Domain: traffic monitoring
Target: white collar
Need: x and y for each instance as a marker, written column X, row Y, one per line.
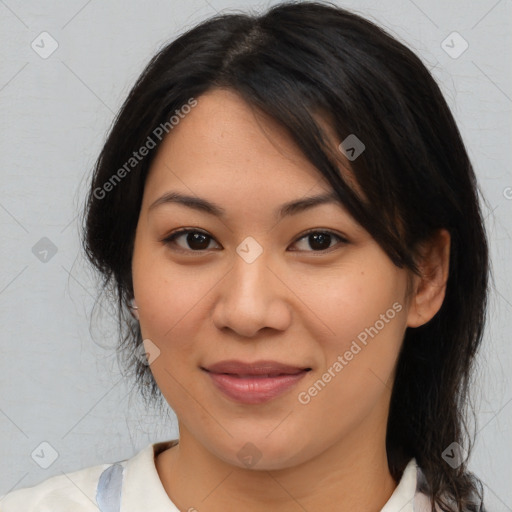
column 402, row 498
column 143, row 489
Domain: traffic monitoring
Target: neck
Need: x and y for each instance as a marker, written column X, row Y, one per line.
column 351, row 475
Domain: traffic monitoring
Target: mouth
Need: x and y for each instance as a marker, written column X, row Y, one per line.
column 256, row 382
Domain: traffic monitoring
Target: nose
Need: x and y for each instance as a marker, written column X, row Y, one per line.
column 252, row 297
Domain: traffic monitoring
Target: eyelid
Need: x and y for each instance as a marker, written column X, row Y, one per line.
column 167, row 240
column 343, row 239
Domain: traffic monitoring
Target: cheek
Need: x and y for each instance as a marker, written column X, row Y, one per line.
column 354, row 304
column 172, row 301
column 366, row 318
column 166, row 303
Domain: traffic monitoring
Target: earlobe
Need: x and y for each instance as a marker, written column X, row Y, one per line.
column 134, row 310
column 430, row 288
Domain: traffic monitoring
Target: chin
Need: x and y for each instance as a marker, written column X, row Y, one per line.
column 261, row 452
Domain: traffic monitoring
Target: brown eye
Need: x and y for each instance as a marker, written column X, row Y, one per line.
column 320, row 240
column 194, row 240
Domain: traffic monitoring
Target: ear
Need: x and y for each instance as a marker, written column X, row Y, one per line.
column 429, row 289
column 134, row 310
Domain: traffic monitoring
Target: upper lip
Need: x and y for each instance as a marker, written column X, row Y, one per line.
column 254, row 368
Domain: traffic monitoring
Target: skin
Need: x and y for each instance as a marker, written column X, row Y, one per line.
column 203, row 303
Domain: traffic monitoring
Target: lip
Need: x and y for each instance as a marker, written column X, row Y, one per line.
column 256, row 382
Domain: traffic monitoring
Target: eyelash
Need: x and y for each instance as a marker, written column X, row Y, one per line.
column 172, row 237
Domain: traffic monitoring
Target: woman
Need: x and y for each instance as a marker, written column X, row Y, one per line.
column 286, row 207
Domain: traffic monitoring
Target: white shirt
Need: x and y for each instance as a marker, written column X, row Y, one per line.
column 133, row 485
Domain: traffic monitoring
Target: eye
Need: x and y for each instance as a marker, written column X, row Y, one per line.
column 196, row 240
column 320, row 240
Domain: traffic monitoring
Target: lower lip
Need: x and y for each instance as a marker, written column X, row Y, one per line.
column 254, row 390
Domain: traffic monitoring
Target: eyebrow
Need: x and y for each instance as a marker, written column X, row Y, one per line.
column 200, row 204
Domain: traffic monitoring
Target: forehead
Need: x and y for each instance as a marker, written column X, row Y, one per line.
column 225, row 143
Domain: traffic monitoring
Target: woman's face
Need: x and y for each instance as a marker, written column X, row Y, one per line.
column 302, row 286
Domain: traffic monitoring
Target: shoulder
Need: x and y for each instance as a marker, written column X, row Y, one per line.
column 103, row 487
column 70, row 491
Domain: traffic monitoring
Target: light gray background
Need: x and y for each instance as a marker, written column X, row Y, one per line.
column 58, row 385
